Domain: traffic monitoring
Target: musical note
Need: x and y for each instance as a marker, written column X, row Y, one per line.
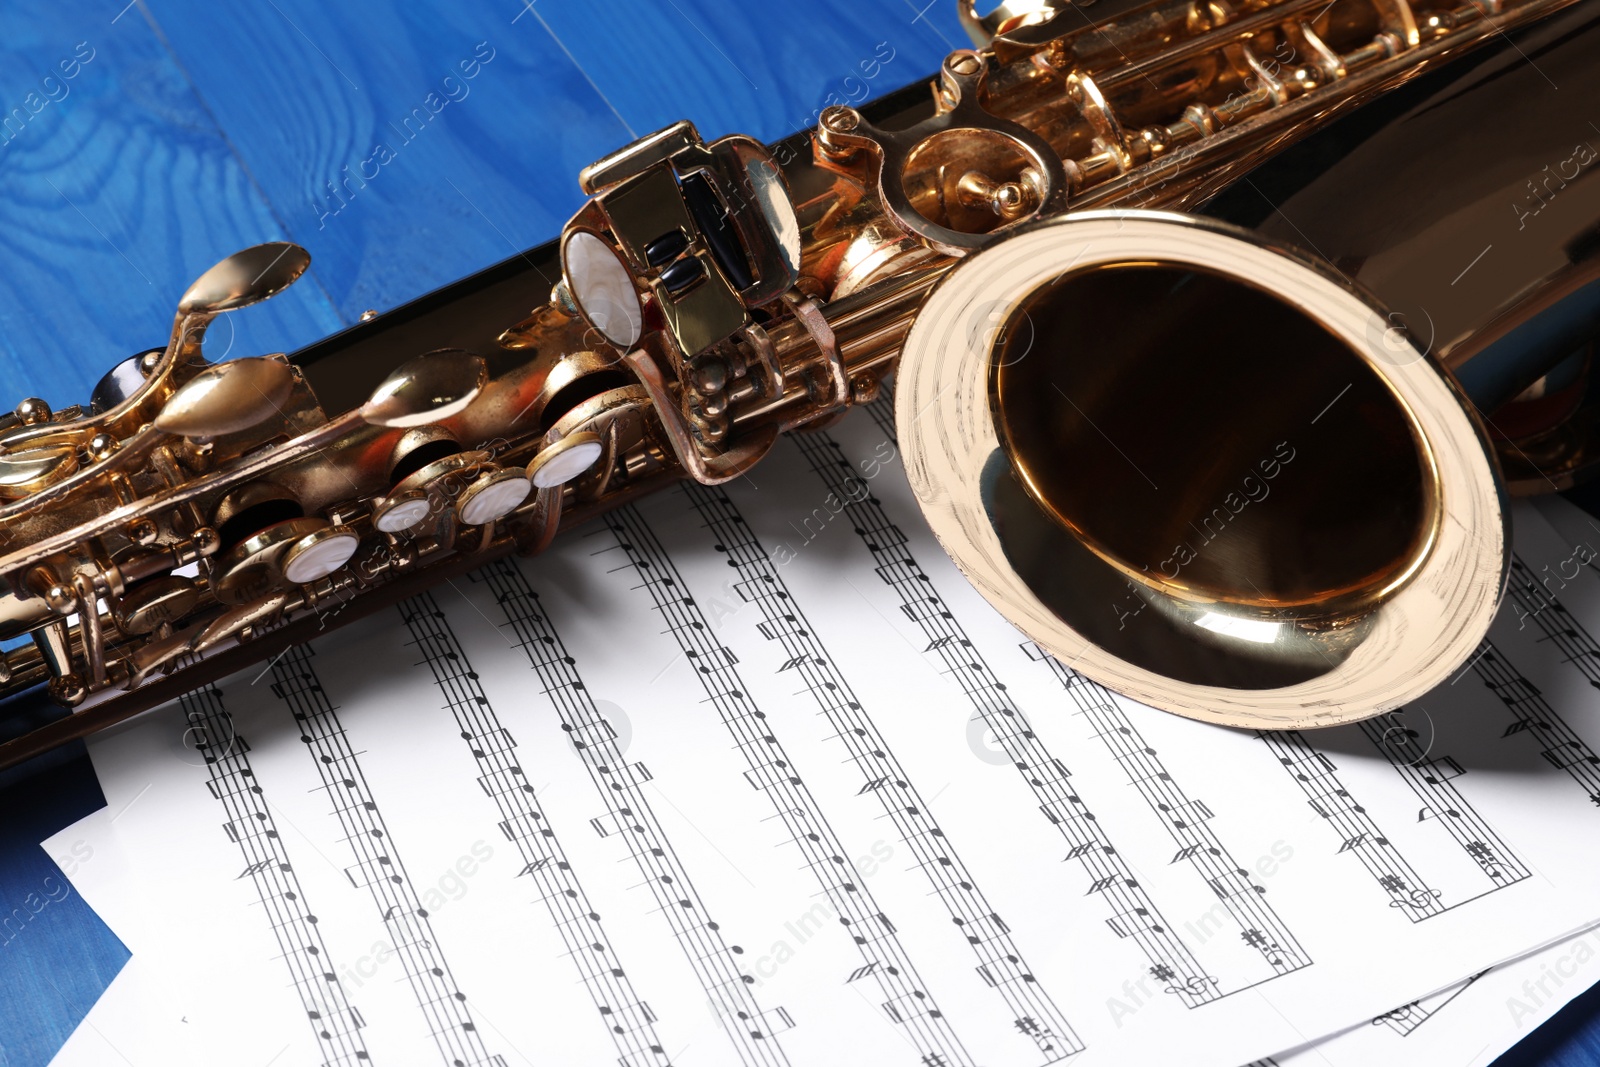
column 231, row 781
column 375, row 868
column 617, row 783
column 1354, row 842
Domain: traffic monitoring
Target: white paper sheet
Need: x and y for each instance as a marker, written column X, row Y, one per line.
column 826, row 806
column 137, row 1010
column 1472, row 1023
column 1477, row 1020
column 1468, row 1025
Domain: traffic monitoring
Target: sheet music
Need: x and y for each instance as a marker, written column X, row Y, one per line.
column 1469, row 1024
column 1487, row 1013
column 1477, row 1020
column 750, row 775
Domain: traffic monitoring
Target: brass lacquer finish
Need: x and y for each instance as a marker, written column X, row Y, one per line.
column 427, row 389
column 1221, row 596
column 1219, row 523
column 1217, row 436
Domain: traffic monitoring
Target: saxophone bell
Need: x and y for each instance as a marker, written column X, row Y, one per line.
column 1253, row 508
column 1214, row 471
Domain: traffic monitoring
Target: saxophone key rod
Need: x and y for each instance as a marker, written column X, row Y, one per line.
column 710, row 296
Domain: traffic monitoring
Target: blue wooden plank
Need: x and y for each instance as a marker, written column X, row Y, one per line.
column 117, row 186
column 330, row 109
column 756, row 68
column 404, row 150
column 116, row 189
column 1571, row 1039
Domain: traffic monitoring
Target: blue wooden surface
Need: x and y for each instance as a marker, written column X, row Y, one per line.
column 405, row 146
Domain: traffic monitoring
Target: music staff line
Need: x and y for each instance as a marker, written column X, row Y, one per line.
column 1561, row 746
column 628, row 1019
column 1259, row 925
column 1405, row 1019
column 1432, row 781
column 1187, row 821
column 231, row 780
column 885, row 961
column 1355, row 828
column 1359, row 834
column 378, row 867
column 1002, row 966
column 1134, row 914
column 630, row 820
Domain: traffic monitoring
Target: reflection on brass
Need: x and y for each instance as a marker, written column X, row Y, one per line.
column 252, row 568
column 1253, row 513
column 1274, row 515
column 228, row 397
column 426, row 389
column 447, row 476
column 246, row 278
column 154, row 603
column 1238, row 466
column 23, row 472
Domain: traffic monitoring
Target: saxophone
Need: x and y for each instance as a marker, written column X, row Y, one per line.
column 1243, row 463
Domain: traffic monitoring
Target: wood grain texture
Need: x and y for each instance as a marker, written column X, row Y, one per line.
column 57, row 957
column 723, row 65
column 382, row 156
column 199, row 127
column 116, row 189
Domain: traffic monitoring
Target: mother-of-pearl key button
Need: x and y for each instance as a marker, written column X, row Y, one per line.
column 319, row 554
column 566, row 459
column 398, row 515
column 492, row 496
column 602, row 287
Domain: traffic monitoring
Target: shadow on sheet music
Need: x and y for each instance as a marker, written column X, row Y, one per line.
column 1444, row 734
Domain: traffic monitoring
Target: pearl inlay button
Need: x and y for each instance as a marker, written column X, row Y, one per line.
column 319, row 554
column 401, row 516
column 777, row 207
column 602, row 288
column 492, row 496
column 558, row 465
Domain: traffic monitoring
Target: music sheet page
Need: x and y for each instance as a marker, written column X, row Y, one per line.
column 1469, row 1024
column 1475, row 1021
column 750, row 775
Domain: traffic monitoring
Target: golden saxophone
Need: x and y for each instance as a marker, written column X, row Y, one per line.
column 1249, row 465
